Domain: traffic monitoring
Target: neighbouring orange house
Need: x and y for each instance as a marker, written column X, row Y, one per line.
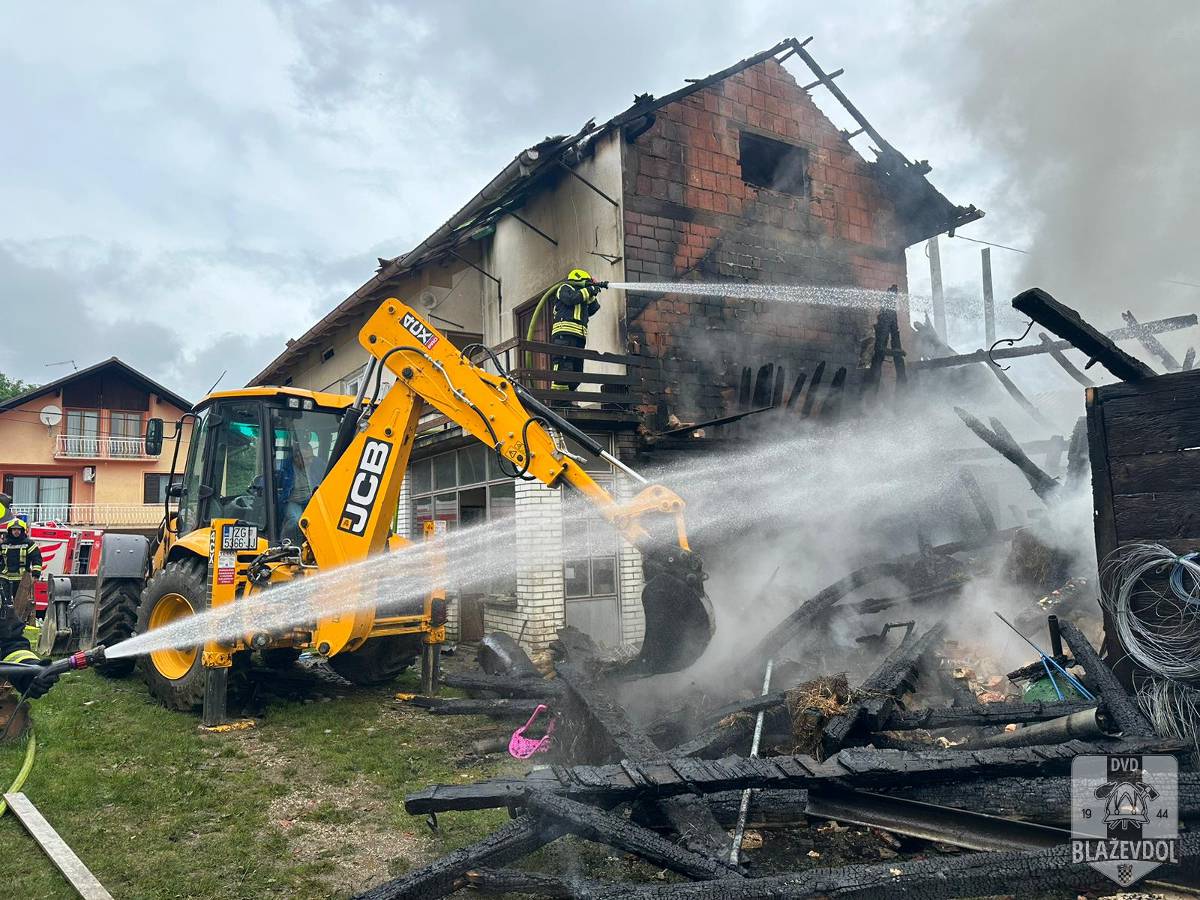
column 73, row 451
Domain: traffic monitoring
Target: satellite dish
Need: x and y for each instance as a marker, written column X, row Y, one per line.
column 428, row 300
column 50, row 415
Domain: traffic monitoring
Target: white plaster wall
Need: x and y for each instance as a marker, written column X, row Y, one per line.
column 581, row 221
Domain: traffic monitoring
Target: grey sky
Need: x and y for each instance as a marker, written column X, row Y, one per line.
column 186, row 186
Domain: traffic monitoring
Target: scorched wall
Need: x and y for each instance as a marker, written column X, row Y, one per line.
column 690, row 215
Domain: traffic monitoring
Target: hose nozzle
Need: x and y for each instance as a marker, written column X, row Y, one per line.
column 86, row 658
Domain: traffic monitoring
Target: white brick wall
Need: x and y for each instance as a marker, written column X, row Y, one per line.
column 629, row 577
column 540, row 605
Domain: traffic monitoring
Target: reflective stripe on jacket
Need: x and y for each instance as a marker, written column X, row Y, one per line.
column 572, row 310
column 19, row 557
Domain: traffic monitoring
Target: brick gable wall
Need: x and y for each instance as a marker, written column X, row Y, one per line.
column 690, row 216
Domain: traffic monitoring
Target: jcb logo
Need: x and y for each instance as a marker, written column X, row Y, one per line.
column 364, row 489
column 419, row 330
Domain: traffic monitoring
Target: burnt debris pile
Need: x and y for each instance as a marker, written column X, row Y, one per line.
column 932, row 758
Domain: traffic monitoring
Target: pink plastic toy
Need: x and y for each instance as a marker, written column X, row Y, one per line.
column 522, row 747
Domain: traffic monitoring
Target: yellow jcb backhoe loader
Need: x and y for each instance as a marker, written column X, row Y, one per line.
column 282, row 483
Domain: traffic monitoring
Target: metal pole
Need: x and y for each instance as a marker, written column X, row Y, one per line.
column 989, row 305
column 744, row 810
column 935, row 288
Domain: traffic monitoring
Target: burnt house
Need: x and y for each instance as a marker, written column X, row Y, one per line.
column 737, row 177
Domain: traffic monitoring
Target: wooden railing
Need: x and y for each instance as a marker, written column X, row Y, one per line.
column 611, row 395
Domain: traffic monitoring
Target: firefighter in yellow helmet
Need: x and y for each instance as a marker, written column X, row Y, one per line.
column 18, row 554
column 575, row 302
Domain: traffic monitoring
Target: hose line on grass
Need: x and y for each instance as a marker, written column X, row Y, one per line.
column 26, row 768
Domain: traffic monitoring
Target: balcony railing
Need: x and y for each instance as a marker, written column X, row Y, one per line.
column 611, row 395
column 100, row 515
column 99, row 446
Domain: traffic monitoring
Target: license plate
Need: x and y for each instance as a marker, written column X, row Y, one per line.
column 239, row 537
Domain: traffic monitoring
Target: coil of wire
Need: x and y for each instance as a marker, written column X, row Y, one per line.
column 1159, row 627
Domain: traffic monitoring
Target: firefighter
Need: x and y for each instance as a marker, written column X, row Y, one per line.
column 574, row 304
column 18, row 555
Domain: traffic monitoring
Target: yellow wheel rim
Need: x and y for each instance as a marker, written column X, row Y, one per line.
column 172, row 662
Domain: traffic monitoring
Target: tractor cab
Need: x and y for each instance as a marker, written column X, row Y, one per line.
column 256, row 456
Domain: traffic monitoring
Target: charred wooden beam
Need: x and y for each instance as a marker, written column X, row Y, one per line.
column 1044, row 799
column 532, row 688
column 504, row 708
column 800, row 620
column 615, row 831
column 971, row 484
column 1158, row 326
column 1017, row 873
column 722, row 737
column 1078, row 464
column 1043, row 485
column 527, row 884
column 1069, row 325
column 1121, row 708
column 872, row 605
column 507, row 844
column 696, row 827
column 1152, row 343
column 834, row 395
column 811, row 396
column 857, row 767
column 1035, row 670
column 981, row 714
column 1017, row 394
column 1059, row 357
column 896, row 675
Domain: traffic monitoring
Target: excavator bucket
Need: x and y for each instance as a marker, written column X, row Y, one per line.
column 679, row 619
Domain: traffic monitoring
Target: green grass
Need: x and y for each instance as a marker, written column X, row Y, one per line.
column 307, row 804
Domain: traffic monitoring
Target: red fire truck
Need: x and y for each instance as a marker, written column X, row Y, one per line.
column 65, row 551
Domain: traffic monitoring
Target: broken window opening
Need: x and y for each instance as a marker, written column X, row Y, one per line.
column 773, row 165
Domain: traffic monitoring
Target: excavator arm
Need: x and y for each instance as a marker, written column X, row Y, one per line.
column 350, row 514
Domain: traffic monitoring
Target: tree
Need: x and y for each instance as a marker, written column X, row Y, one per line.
column 11, row 387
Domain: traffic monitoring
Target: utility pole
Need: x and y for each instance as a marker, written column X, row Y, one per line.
column 935, row 285
column 989, row 305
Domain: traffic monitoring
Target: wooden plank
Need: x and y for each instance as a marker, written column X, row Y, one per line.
column 615, row 831
column 1158, row 326
column 1153, row 427
column 1059, row 357
column 1163, row 515
column 1153, row 472
column 619, row 359
column 72, row 867
column 1120, row 705
column 1161, row 385
column 549, row 395
column 587, row 376
column 1070, row 326
column 1153, row 344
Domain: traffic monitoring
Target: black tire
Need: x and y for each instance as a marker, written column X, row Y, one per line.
column 185, row 578
column 379, row 660
column 116, row 619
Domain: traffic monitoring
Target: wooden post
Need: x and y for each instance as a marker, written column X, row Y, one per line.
column 935, row 288
column 989, row 304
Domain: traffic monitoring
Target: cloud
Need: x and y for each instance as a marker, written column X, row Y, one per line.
column 234, row 168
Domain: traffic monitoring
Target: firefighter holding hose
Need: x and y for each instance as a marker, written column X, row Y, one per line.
column 18, row 555
column 575, row 302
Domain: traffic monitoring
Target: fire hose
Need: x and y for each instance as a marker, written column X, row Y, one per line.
column 80, row 660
